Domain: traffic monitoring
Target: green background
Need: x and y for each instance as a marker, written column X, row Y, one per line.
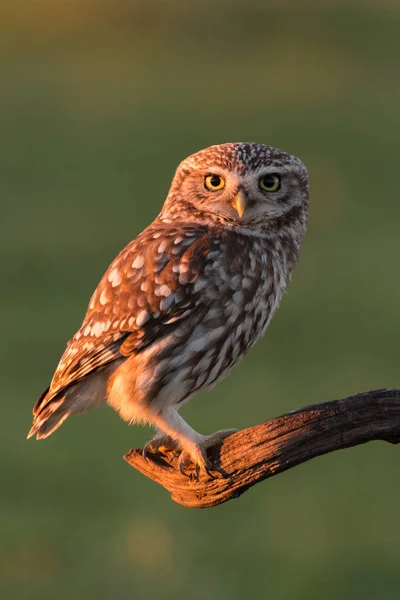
column 99, row 102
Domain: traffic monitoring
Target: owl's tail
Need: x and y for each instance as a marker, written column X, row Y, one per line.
column 49, row 415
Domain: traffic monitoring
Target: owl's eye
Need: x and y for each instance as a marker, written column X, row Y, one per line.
column 214, row 182
column 270, row 182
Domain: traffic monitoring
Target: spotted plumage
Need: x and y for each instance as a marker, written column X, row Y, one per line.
column 187, row 299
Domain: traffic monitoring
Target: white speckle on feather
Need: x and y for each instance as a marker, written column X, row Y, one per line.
column 138, row 262
column 200, row 283
column 114, row 277
column 238, row 297
column 246, row 283
column 235, row 281
column 167, row 302
column 238, row 331
column 164, row 290
column 142, row 317
column 218, row 365
column 97, row 329
column 104, row 297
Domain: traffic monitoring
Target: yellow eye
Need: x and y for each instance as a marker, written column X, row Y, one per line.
column 214, row 183
column 270, row 182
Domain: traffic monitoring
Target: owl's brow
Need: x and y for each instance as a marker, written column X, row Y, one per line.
column 281, row 168
column 212, row 169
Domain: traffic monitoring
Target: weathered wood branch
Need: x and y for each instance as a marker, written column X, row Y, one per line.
column 254, row 454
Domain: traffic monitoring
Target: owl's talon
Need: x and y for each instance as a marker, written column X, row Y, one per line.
column 191, row 465
column 192, row 462
column 160, row 446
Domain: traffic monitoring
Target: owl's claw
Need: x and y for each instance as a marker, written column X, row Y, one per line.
column 196, row 460
column 191, row 465
column 192, row 460
column 161, row 445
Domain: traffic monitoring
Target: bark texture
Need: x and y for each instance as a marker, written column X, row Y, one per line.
column 254, row 454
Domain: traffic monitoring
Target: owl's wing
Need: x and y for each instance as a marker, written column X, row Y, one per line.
column 151, row 286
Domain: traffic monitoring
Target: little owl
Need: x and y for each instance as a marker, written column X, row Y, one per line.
column 187, row 299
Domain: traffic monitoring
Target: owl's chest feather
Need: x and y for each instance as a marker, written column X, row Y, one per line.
column 258, row 284
column 245, row 291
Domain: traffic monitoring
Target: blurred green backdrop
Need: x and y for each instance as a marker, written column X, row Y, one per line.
column 99, row 102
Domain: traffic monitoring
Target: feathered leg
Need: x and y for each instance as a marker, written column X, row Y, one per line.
column 192, row 446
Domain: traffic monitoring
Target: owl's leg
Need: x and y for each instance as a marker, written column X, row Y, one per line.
column 186, row 441
column 177, row 436
column 208, row 441
column 192, row 445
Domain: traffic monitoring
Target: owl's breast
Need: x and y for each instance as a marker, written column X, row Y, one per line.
column 233, row 299
column 244, row 286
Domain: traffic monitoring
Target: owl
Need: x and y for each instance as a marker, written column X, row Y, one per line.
column 186, row 299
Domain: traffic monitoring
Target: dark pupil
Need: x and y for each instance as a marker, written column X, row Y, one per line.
column 215, row 180
column 269, row 180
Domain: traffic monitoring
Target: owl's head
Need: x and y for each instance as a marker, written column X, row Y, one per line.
column 243, row 185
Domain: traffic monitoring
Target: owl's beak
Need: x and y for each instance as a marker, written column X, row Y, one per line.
column 240, row 203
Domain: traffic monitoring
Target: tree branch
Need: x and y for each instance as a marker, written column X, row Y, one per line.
column 254, row 454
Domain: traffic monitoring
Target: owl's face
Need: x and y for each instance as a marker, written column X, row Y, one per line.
column 239, row 184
